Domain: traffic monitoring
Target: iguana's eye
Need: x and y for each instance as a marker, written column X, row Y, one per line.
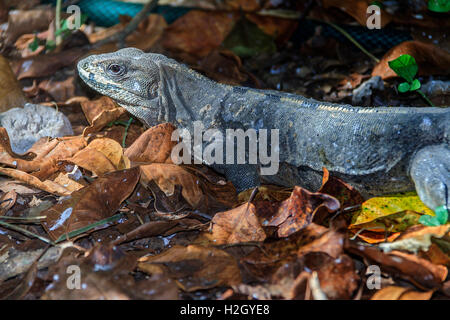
column 116, row 69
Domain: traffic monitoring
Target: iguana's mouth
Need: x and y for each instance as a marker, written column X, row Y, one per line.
column 105, row 87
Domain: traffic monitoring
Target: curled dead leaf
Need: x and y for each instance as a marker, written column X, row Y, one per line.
column 11, row 95
column 237, row 225
column 97, row 201
column 358, row 10
column 431, row 59
column 45, row 65
column 200, row 192
column 183, row 34
column 99, row 113
column 298, row 211
column 101, row 156
column 27, row 21
column 410, row 267
column 154, row 145
column 401, row 293
column 194, row 267
column 47, row 185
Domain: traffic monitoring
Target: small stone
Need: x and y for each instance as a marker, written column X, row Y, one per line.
column 25, row 126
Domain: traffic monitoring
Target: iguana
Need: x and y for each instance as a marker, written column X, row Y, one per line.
column 377, row 150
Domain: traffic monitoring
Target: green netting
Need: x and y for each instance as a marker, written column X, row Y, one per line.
column 106, row 13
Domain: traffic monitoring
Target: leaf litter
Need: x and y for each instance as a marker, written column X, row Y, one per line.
column 110, row 200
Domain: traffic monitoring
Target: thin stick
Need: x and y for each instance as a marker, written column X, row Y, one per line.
column 132, row 25
column 349, row 37
column 24, row 231
column 58, row 21
column 425, row 98
column 23, row 218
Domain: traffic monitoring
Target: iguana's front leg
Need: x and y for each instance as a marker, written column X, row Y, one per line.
column 430, row 172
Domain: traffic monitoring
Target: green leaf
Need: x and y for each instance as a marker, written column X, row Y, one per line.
column 405, row 66
column 397, row 211
column 64, row 28
column 378, row 3
column 404, row 87
column 415, row 85
column 441, row 214
column 34, row 45
column 50, row 45
column 84, row 17
column 82, row 230
column 439, row 5
column 247, row 40
column 429, row 221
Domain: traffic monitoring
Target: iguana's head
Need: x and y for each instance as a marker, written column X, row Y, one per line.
column 129, row 76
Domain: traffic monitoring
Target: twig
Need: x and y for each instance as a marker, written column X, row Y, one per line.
column 24, row 231
column 425, row 98
column 132, row 25
column 58, row 22
column 23, row 218
column 349, row 37
column 314, row 284
column 88, row 227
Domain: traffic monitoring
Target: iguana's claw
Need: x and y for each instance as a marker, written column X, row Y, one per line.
column 430, row 171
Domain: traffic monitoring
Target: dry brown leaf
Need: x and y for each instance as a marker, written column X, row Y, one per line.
column 223, row 66
column 279, row 28
column 7, row 201
column 416, row 295
column 147, row 33
column 337, row 276
column 266, row 193
column 358, row 10
column 401, row 293
column 431, row 59
column 194, row 267
column 43, row 157
column 166, row 176
column 97, row 201
column 47, row 185
column 298, row 211
column 8, row 185
column 60, row 91
column 154, row 145
column 417, row 238
column 331, row 242
column 408, row 266
column 106, row 275
column 244, row 5
column 264, row 261
column 374, row 237
column 27, row 21
column 101, row 156
column 345, row 193
column 436, row 255
column 45, row 65
column 237, row 225
column 64, row 180
column 99, row 113
column 11, row 95
column 389, row 293
column 198, row 32
column 200, row 191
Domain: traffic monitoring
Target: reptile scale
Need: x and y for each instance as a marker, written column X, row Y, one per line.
column 377, row 150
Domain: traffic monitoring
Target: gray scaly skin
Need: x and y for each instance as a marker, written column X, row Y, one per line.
column 377, row 150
